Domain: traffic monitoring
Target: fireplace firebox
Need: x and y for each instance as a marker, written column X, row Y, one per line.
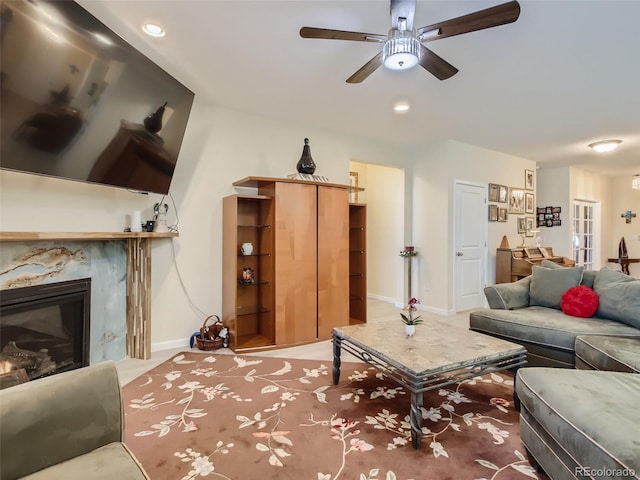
column 44, row 329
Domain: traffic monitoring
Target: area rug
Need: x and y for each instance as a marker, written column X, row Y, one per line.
column 242, row 418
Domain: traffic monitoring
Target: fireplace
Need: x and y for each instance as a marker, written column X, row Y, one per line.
column 44, row 329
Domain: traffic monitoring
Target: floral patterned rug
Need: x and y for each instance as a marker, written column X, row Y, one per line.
column 240, row 417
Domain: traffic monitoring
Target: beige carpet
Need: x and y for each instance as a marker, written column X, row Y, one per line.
column 243, row 418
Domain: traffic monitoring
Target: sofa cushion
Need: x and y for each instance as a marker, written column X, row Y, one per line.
column 585, row 418
column 619, row 296
column 615, row 354
column 509, row 295
column 579, row 301
column 113, row 461
column 544, row 326
column 588, row 277
column 548, row 284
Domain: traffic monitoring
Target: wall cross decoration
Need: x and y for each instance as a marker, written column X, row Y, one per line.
column 628, row 215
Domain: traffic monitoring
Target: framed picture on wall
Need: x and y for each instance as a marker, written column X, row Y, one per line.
column 516, row 200
column 522, row 225
column 353, row 180
column 493, row 213
column 502, row 214
column 529, row 203
column 528, row 180
column 503, row 194
column 529, row 226
column 494, row 192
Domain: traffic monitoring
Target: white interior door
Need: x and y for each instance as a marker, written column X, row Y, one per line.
column 470, row 232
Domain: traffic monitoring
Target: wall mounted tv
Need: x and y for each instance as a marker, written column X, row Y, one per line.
column 75, row 96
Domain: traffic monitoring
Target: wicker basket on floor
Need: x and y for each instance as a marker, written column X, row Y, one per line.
column 209, row 338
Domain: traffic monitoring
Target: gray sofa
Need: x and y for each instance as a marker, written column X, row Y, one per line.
column 580, row 424
column 65, row 427
column 528, row 312
column 574, row 424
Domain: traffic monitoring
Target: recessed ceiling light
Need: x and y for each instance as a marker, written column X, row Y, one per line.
column 153, row 29
column 605, row 145
column 401, row 107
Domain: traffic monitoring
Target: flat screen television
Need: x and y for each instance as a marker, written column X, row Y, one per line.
column 80, row 103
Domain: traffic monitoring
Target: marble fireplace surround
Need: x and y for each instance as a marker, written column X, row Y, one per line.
column 119, row 264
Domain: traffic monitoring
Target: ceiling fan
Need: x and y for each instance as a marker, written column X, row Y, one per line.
column 404, row 47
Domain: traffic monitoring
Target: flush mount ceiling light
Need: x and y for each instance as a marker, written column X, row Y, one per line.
column 401, row 107
column 153, row 29
column 635, row 182
column 605, row 145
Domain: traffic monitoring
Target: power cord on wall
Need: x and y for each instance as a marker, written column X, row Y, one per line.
column 174, row 229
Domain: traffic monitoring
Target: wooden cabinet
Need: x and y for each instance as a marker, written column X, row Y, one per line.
column 357, row 263
column 302, row 252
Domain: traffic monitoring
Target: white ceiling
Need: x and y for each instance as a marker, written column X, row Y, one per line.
column 565, row 74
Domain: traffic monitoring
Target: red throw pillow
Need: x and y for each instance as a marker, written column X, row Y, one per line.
column 579, row 301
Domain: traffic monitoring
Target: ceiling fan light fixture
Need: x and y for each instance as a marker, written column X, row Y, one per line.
column 401, row 51
column 605, row 145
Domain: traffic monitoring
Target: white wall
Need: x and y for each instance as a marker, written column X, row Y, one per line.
column 625, row 198
column 553, row 191
column 558, row 187
column 435, row 169
column 220, row 147
column 385, row 198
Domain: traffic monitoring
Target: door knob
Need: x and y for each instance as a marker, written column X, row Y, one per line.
column 459, row 254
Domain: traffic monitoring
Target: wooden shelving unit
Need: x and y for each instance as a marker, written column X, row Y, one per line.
column 248, row 308
column 357, row 263
column 301, row 259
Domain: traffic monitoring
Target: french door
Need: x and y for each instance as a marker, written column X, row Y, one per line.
column 586, row 234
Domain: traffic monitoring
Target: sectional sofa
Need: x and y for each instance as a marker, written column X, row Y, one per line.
column 528, row 312
column 580, row 423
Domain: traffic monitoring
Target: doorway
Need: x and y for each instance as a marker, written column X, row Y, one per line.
column 384, row 196
column 470, row 250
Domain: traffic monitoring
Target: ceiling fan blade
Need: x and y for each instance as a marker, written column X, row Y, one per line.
column 312, row 32
column 366, row 70
column 487, row 18
column 435, row 64
column 403, row 9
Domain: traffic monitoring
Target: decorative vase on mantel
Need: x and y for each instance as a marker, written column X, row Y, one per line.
column 410, row 330
column 306, row 163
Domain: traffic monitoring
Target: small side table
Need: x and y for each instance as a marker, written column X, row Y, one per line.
column 624, row 263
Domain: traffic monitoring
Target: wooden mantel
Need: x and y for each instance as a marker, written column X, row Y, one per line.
column 35, row 236
column 138, row 277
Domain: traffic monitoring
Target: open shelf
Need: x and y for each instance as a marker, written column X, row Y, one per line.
column 357, row 264
column 248, row 307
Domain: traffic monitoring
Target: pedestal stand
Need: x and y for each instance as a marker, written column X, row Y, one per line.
column 408, row 253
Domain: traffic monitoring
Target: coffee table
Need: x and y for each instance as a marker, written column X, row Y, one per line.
column 437, row 355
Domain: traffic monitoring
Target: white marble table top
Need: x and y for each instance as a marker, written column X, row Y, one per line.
column 436, row 346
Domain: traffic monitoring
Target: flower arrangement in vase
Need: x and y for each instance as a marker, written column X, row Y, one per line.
column 410, row 321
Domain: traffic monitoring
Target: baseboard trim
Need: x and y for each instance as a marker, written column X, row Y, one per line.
column 382, row 298
column 426, row 308
column 159, row 347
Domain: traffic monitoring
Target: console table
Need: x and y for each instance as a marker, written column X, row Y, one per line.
column 624, row 263
column 138, row 278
